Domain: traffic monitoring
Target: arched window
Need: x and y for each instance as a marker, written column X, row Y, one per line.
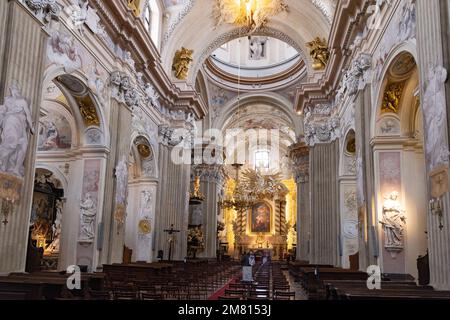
column 148, row 18
column 153, row 19
column 262, row 159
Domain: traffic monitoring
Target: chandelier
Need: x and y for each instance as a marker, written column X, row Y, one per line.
column 241, row 200
column 252, row 188
column 251, row 14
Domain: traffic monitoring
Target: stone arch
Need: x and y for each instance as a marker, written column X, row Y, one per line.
column 51, row 75
column 398, row 148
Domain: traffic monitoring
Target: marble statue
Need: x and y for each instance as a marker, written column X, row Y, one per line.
column 151, row 95
column 15, row 121
column 122, row 181
column 256, row 48
column 79, row 13
column 435, row 116
column 45, row 9
column 393, row 222
column 147, row 200
column 54, row 246
column 88, row 212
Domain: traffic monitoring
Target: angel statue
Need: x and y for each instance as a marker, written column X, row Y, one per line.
column 181, row 62
column 319, row 53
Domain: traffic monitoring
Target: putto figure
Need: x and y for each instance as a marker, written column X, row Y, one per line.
column 318, row 49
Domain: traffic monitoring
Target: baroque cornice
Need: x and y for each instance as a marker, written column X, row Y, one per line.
column 348, row 19
column 128, row 32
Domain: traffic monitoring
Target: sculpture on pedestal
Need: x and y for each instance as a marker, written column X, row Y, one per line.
column 88, row 213
column 393, row 223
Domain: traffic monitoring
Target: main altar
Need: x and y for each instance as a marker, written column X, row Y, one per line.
column 260, row 215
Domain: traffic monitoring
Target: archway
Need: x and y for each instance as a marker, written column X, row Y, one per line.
column 44, row 243
column 71, row 146
column 401, row 202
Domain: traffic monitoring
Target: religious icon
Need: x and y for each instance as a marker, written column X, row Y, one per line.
column 260, row 218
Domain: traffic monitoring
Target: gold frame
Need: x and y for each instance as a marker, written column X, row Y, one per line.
column 250, row 222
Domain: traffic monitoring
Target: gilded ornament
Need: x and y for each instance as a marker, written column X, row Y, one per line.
column 318, row 49
column 145, row 227
column 144, row 150
column 181, row 62
column 392, row 96
column 135, row 6
column 251, row 14
column 196, row 197
column 88, row 111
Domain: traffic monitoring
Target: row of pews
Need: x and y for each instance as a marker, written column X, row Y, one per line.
column 195, row 280
column 46, row 285
column 325, row 282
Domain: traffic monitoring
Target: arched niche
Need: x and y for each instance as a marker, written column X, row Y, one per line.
column 398, row 151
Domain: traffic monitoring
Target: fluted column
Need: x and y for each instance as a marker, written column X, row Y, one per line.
column 433, row 43
column 22, row 54
column 299, row 154
column 325, row 226
column 172, row 203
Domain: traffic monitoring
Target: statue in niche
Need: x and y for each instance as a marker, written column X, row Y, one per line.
column 393, row 222
column 88, row 213
column 54, row 246
column 257, row 49
column 15, row 121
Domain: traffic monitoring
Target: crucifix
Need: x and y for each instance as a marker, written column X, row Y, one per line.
column 171, row 232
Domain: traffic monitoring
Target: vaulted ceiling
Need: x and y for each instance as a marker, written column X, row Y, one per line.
column 195, row 29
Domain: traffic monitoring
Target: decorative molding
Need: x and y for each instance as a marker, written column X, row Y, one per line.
column 172, row 26
column 45, row 10
column 321, row 126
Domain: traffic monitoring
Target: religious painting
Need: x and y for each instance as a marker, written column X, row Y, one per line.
column 260, row 218
column 54, row 133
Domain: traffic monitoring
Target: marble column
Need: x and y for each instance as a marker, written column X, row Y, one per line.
column 211, row 184
column 22, row 53
column 172, row 203
column 325, row 224
column 299, row 154
column 432, row 44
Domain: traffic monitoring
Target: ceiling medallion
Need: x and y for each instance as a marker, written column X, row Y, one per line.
column 251, row 14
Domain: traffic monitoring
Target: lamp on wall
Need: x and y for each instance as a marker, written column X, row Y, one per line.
column 436, row 209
